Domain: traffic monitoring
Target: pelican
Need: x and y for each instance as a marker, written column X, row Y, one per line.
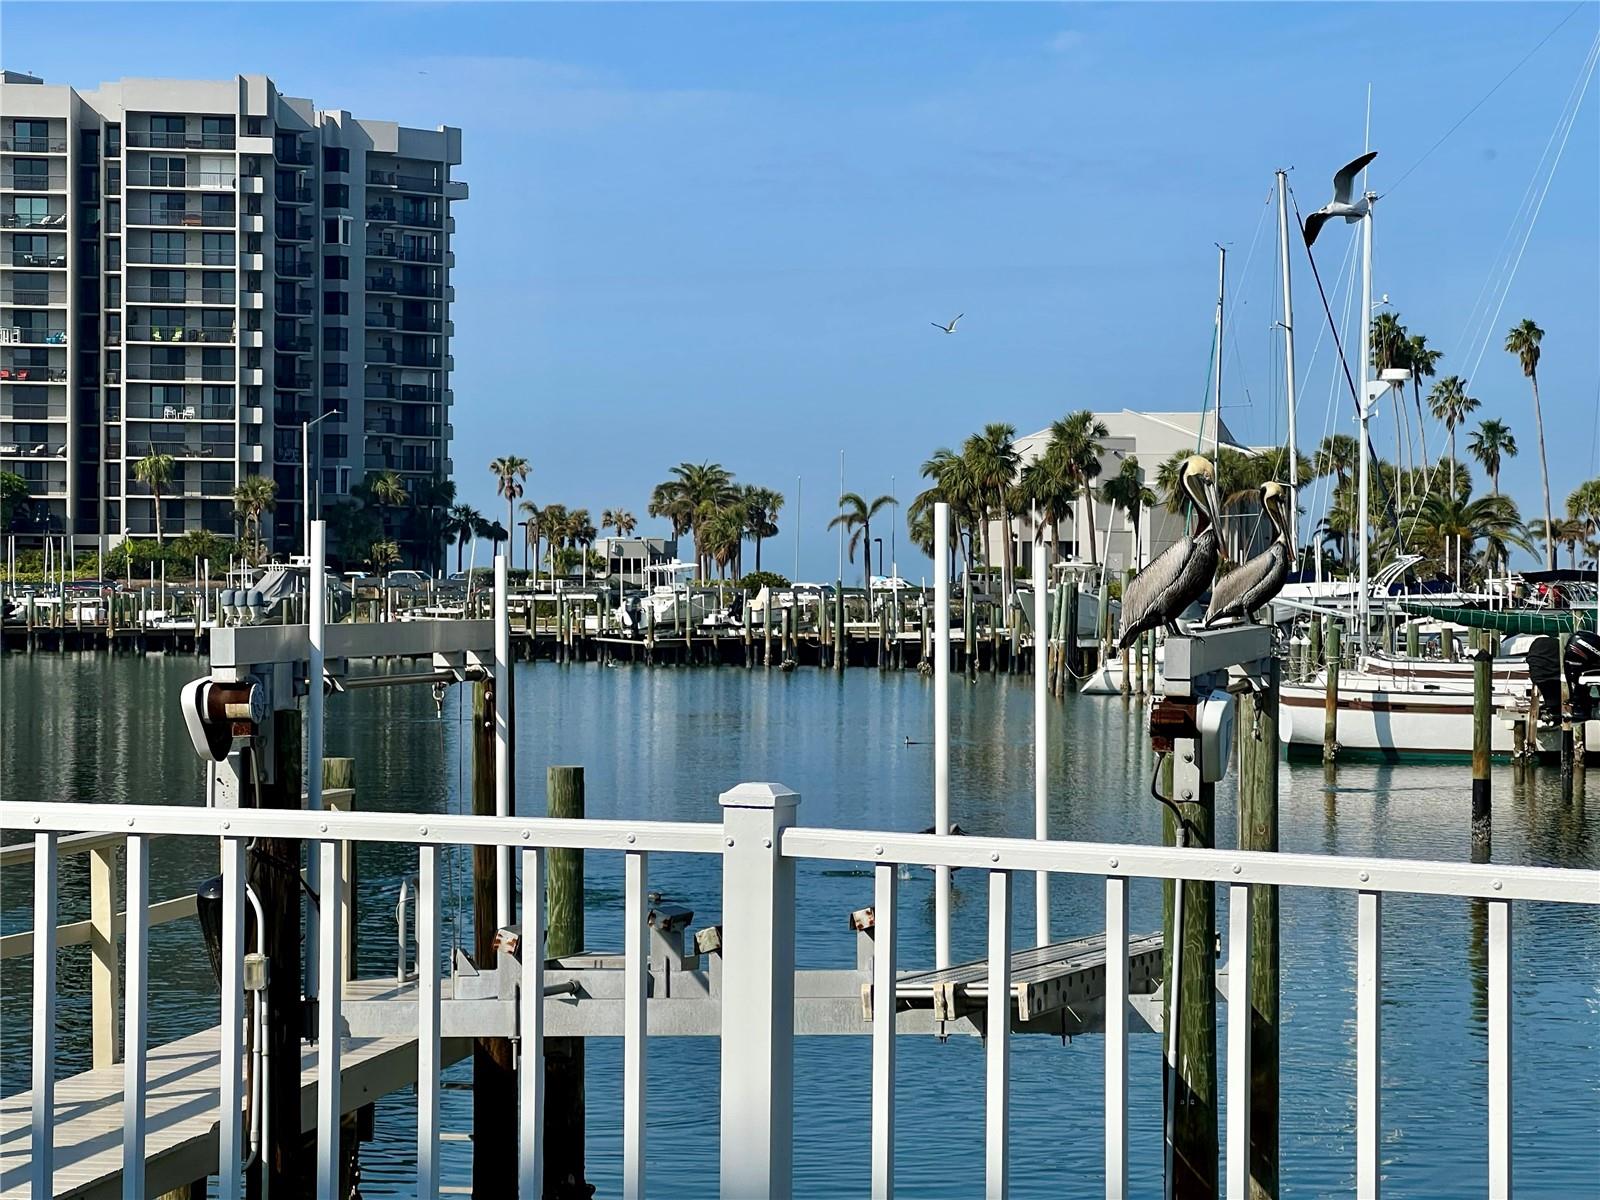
column 1344, row 182
column 1180, row 573
column 1251, row 585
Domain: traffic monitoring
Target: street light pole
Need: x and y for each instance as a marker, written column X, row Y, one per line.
column 305, row 477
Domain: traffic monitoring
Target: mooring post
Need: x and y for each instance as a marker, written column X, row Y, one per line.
column 494, row 1080
column 1482, row 725
column 1258, row 830
column 563, row 1057
column 1413, row 640
column 1192, row 1058
column 1566, row 725
column 840, row 650
column 105, row 975
column 1330, row 702
column 275, row 879
column 766, row 628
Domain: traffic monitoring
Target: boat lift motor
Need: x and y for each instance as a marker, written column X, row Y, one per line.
column 1544, row 672
column 1581, row 666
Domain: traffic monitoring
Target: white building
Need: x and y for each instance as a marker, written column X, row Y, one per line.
column 1150, row 437
column 198, row 267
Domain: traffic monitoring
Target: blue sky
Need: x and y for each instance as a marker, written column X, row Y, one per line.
column 721, row 232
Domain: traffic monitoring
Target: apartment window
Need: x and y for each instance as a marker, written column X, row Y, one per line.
column 30, row 250
column 335, row 445
column 335, row 195
column 113, row 140
column 27, row 133
column 164, row 127
column 336, row 304
column 32, row 174
column 217, row 131
column 335, row 266
column 336, row 374
column 335, row 158
column 255, row 126
column 214, row 203
column 336, row 231
column 216, row 249
column 166, row 247
column 168, row 172
column 335, row 337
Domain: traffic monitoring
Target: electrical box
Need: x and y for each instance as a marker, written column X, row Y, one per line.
column 1214, row 714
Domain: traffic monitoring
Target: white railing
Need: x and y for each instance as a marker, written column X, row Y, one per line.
column 760, row 846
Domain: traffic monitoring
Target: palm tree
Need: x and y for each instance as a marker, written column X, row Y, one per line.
column 619, row 519
column 1423, row 363
column 581, row 530
column 690, row 498
column 954, row 484
column 719, row 536
column 255, row 495
column 856, row 514
column 532, row 531
column 1078, row 439
column 388, row 491
column 1491, row 441
column 1051, row 488
column 761, row 507
column 463, row 527
column 1126, row 490
column 509, row 471
column 155, row 472
column 1523, row 341
column 1449, row 402
column 1584, row 505
column 1441, row 521
column 1390, row 347
column 382, row 555
column 993, row 459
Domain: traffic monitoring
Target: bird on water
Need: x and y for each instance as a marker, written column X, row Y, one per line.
column 1180, row 573
column 1343, row 203
column 1252, row 585
column 950, row 328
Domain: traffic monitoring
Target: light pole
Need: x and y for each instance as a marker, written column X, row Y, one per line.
column 305, row 478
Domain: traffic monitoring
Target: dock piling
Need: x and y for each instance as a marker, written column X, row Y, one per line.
column 494, row 1081
column 563, row 1056
column 1482, row 719
column 1330, row 704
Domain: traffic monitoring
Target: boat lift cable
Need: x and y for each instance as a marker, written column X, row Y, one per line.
column 1504, row 79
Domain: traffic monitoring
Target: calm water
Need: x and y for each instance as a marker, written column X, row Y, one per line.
column 663, row 743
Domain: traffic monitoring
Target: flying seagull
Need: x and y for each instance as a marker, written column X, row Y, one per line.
column 1344, row 181
column 950, row 328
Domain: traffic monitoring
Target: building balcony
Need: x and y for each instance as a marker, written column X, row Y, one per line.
column 210, row 181
column 34, row 297
column 404, row 215
column 405, row 323
column 419, row 183
column 33, row 374
column 293, row 231
column 38, row 261
column 179, row 412
column 401, row 462
column 169, row 295
column 403, row 358
column 407, row 393
column 302, row 306
column 164, row 218
column 294, row 155
column 298, row 267
column 193, row 334
column 177, row 373
column 389, row 427
column 294, row 193
column 152, row 140
column 32, row 335
column 292, row 345
column 33, row 449
column 46, row 181
column 404, row 285
column 186, row 257
column 180, row 448
column 13, row 220
column 298, row 381
column 402, row 251
column 33, row 145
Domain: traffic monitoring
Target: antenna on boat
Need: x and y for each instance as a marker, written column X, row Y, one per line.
column 1288, row 364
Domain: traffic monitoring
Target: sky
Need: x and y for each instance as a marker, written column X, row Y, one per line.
column 718, row 232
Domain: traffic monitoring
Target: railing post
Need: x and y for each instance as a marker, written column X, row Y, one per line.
column 757, row 992
column 104, row 967
column 42, row 1174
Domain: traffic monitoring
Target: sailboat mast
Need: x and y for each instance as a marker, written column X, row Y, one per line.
column 1366, row 413
column 1216, row 396
column 1288, row 361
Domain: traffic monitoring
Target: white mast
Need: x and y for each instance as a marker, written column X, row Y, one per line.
column 1288, row 359
column 1216, row 401
column 1366, row 401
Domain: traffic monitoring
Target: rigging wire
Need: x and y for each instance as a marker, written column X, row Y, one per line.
column 1521, row 62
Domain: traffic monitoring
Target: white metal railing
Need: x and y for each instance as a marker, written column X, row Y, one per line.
column 760, row 846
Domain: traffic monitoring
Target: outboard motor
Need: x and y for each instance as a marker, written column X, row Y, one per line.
column 1582, row 658
column 1544, row 670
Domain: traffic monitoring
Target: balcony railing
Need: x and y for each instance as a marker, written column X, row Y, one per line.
column 13, row 220
column 186, row 219
column 403, row 285
column 404, row 215
column 293, row 231
column 196, row 334
column 186, row 257
column 180, row 372
column 178, row 141
column 210, row 180
column 300, row 305
column 409, row 393
column 292, row 345
column 418, row 183
column 179, row 412
column 26, row 296
column 293, row 268
column 34, row 145
column 170, row 295
column 180, row 448
column 404, row 358
column 49, row 181
column 28, row 335
column 398, row 462
column 292, row 382
column 405, row 252
column 21, row 259
column 388, row 426
column 294, row 155
column 33, row 374
column 294, row 194
column 403, row 322
column 33, row 449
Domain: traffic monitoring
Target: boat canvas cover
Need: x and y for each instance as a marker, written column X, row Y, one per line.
column 1522, row 620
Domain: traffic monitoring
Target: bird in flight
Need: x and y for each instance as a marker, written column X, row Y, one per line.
column 1344, row 181
column 950, row 328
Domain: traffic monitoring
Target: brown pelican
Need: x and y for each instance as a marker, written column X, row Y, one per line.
column 1252, row 585
column 1181, row 573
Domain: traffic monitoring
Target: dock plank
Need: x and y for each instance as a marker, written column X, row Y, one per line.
column 181, row 1114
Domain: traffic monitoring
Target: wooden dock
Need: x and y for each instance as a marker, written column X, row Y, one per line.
column 181, row 1113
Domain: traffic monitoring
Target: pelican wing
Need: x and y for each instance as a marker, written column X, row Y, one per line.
column 1168, row 584
column 1344, row 179
column 1249, row 586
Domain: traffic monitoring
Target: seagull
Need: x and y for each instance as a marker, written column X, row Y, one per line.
column 950, row 328
column 1344, row 181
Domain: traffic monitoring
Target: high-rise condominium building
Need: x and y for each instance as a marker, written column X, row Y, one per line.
column 199, row 269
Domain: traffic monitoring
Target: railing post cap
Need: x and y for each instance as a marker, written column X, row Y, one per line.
column 759, row 795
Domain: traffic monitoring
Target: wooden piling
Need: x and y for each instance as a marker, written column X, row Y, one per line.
column 1330, row 703
column 968, row 631
column 105, row 974
column 564, row 1057
column 1413, row 641
column 1482, row 723
column 839, row 648
column 1258, row 830
column 1315, row 633
column 494, row 1079
column 766, row 628
column 275, row 878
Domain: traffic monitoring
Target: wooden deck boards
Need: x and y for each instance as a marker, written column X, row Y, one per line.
column 181, row 1115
